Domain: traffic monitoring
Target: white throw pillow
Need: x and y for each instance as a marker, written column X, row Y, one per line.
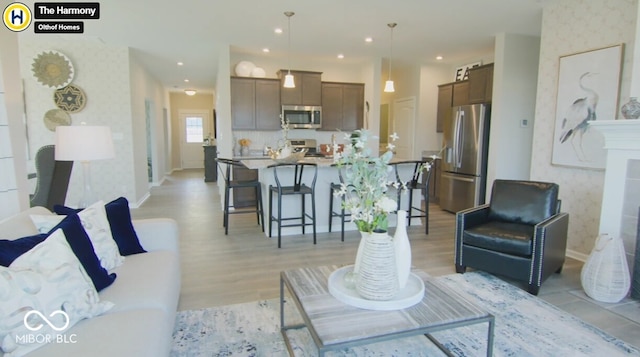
column 95, row 223
column 41, row 282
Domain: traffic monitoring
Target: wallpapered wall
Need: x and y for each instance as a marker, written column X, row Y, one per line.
column 572, row 26
column 101, row 71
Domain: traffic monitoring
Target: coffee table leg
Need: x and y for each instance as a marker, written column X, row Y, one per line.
column 490, row 337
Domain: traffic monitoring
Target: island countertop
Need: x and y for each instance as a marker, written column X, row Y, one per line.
column 327, row 175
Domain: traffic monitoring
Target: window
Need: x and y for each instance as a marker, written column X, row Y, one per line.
column 195, row 130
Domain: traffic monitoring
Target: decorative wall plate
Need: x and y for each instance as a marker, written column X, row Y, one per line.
column 55, row 117
column 53, row 69
column 71, row 98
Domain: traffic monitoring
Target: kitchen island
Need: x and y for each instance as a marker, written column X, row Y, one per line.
column 327, row 175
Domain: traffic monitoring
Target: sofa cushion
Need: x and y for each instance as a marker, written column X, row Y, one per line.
column 527, row 202
column 12, row 249
column 505, row 237
column 149, row 280
column 140, row 333
column 122, row 229
column 20, row 225
column 83, row 249
column 95, row 223
column 46, row 279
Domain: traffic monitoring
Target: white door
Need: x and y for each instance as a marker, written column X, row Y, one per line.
column 403, row 124
column 194, row 126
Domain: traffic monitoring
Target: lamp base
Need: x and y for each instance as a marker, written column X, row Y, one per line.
column 88, row 197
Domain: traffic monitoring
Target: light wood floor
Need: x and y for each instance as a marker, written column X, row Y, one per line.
column 219, row 269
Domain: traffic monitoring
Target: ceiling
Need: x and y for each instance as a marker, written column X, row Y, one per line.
column 161, row 32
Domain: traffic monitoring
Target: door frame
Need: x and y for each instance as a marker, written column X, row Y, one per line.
column 206, row 125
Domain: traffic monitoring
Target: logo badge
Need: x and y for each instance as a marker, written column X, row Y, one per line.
column 17, row 17
column 39, row 326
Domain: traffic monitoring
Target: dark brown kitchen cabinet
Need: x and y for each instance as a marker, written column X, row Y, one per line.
column 255, row 103
column 445, row 97
column 342, row 106
column 481, row 84
column 460, row 93
column 308, row 90
column 244, row 197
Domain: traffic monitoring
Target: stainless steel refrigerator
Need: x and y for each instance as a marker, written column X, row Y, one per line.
column 464, row 164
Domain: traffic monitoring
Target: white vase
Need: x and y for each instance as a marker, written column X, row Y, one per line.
column 605, row 275
column 377, row 277
column 402, row 249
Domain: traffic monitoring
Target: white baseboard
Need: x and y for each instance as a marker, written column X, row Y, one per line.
column 140, row 201
column 577, row 255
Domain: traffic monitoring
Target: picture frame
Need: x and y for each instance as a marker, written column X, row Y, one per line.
column 588, row 87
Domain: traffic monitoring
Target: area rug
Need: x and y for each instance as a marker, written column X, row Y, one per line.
column 524, row 326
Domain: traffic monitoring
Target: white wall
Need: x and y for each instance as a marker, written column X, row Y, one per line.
column 13, row 174
column 115, row 88
column 514, row 94
column 430, row 77
column 572, row 26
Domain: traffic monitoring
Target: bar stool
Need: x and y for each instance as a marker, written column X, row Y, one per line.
column 342, row 214
column 419, row 180
column 298, row 188
column 225, row 166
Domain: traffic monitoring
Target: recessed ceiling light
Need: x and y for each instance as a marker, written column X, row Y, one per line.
column 180, row 63
column 340, row 56
column 439, row 58
column 265, row 50
column 278, row 30
column 368, row 39
column 186, row 80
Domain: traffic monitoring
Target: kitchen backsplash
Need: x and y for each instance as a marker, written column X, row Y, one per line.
column 270, row 138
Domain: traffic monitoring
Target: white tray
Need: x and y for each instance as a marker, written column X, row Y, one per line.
column 412, row 293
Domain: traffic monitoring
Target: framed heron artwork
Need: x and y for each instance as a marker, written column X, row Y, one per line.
column 588, row 86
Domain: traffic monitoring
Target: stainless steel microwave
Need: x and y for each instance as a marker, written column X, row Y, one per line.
column 302, row 117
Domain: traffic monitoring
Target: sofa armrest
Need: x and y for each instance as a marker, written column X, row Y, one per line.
column 473, row 216
column 550, row 245
column 157, row 234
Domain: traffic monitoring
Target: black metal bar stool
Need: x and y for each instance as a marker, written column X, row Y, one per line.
column 297, row 188
column 341, row 213
column 225, row 166
column 419, row 180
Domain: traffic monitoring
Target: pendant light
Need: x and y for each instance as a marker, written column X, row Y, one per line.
column 388, row 86
column 288, row 79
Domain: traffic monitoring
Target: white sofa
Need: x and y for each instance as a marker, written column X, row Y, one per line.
column 145, row 296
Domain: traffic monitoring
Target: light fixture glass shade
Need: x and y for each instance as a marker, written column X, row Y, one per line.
column 190, row 91
column 288, row 81
column 388, row 87
column 83, row 143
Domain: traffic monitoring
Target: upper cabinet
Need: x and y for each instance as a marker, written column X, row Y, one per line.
column 308, row 90
column 445, row 96
column 481, row 84
column 342, row 106
column 255, row 103
column 460, row 93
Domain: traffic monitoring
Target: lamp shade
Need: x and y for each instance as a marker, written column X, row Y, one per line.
column 83, row 143
column 288, row 81
column 388, row 87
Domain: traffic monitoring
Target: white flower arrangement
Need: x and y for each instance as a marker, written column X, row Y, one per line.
column 366, row 180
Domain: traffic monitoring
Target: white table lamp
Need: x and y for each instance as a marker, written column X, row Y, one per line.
column 84, row 143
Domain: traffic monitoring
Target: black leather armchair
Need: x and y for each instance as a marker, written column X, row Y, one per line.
column 520, row 234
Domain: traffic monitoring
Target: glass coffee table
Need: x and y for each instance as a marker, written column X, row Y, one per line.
column 334, row 325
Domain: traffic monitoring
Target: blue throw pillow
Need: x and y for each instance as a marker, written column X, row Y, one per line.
column 12, row 249
column 83, row 249
column 119, row 218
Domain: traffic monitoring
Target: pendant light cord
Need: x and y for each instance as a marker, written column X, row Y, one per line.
column 391, row 26
column 289, row 14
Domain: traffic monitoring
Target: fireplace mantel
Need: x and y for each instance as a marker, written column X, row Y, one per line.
column 622, row 142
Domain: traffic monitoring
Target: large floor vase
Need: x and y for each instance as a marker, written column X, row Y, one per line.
column 377, row 277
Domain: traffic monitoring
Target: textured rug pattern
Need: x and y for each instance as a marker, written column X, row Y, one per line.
column 525, row 326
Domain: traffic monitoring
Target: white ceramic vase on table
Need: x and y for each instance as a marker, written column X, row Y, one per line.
column 402, row 249
column 377, row 276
